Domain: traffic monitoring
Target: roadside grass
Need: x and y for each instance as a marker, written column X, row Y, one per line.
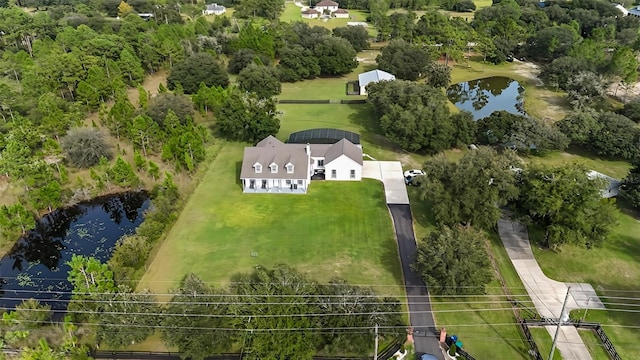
column 338, row 229
column 596, row 349
column 613, row 270
column 484, row 324
column 544, row 342
column 614, row 168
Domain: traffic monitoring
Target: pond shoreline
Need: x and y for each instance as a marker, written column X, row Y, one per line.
column 35, row 265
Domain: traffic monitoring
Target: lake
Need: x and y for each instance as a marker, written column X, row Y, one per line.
column 482, row 97
column 36, row 266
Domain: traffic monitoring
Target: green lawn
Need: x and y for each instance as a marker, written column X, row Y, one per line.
column 615, row 168
column 613, row 270
column 595, row 346
column 336, row 230
column 293, row 13
column 544, row 341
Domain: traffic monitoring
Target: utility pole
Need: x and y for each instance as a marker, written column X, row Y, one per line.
column 375, row 353
column 555, row 338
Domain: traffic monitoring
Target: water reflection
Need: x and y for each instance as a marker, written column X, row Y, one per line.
column 35, row 267
column 482, row 97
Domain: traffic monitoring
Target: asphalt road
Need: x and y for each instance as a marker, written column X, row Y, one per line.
column 425, row 340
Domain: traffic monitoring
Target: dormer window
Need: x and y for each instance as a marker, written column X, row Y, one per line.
column 257, row 167
column 289, row 168
column 274, row 168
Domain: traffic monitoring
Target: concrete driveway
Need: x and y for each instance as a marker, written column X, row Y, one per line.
column 547, row 294
column 391, row 175
column 418, row 300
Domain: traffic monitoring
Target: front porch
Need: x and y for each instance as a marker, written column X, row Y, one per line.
column 271, row 186
column 275, row 191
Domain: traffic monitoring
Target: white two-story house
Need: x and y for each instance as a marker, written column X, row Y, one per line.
column 276, row 167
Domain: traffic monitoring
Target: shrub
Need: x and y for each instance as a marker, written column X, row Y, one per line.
column 85, row 146
column 464, row 6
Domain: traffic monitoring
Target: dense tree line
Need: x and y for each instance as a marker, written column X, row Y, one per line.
column 571, row 36
column 268, row 313
column 603, row 132
column 416, row 116
column 522, row 133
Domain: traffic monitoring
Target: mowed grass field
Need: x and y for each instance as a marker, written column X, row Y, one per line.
column 337, row 230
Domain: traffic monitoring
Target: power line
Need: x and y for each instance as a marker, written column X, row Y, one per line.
column 263, row 303
column 260, row 315
column 63, row 292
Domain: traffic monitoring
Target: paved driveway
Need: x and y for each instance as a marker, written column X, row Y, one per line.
column 391, row 175
column 420, row 316
column 548, row 295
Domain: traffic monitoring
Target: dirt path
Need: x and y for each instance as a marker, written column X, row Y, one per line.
column 150, row 83
column 555, row 103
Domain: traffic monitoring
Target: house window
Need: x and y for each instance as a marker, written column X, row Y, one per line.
column 352, row 174
column 290, row 169
column 274, row 168
column 299, row 182
column 321, row 162
column 333, row 173
column 288, row 182
column 258, row 168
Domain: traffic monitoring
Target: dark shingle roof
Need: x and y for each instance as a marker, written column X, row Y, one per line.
column 323, row 136
column 343, row 147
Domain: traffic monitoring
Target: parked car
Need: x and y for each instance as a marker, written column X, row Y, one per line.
column 428, row 357
column 409, row 175
column 413, row 172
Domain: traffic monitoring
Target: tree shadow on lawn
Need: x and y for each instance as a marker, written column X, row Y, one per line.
column 364, row 116
column 421, row 209
column 238, row 171
column 627, row 245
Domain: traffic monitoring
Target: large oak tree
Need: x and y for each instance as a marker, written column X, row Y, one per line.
column 453, row 261
column 567, row 204
column 197, row 68
column 471, row 191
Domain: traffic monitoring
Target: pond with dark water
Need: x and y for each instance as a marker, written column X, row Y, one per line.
column 36, row 266
column 482, row 97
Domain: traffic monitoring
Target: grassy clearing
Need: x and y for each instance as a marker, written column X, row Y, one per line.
column 615, row 168
column 292, row 13
column 336, row 230
column 613, row 270
column 330, row 88
column 494, row 334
